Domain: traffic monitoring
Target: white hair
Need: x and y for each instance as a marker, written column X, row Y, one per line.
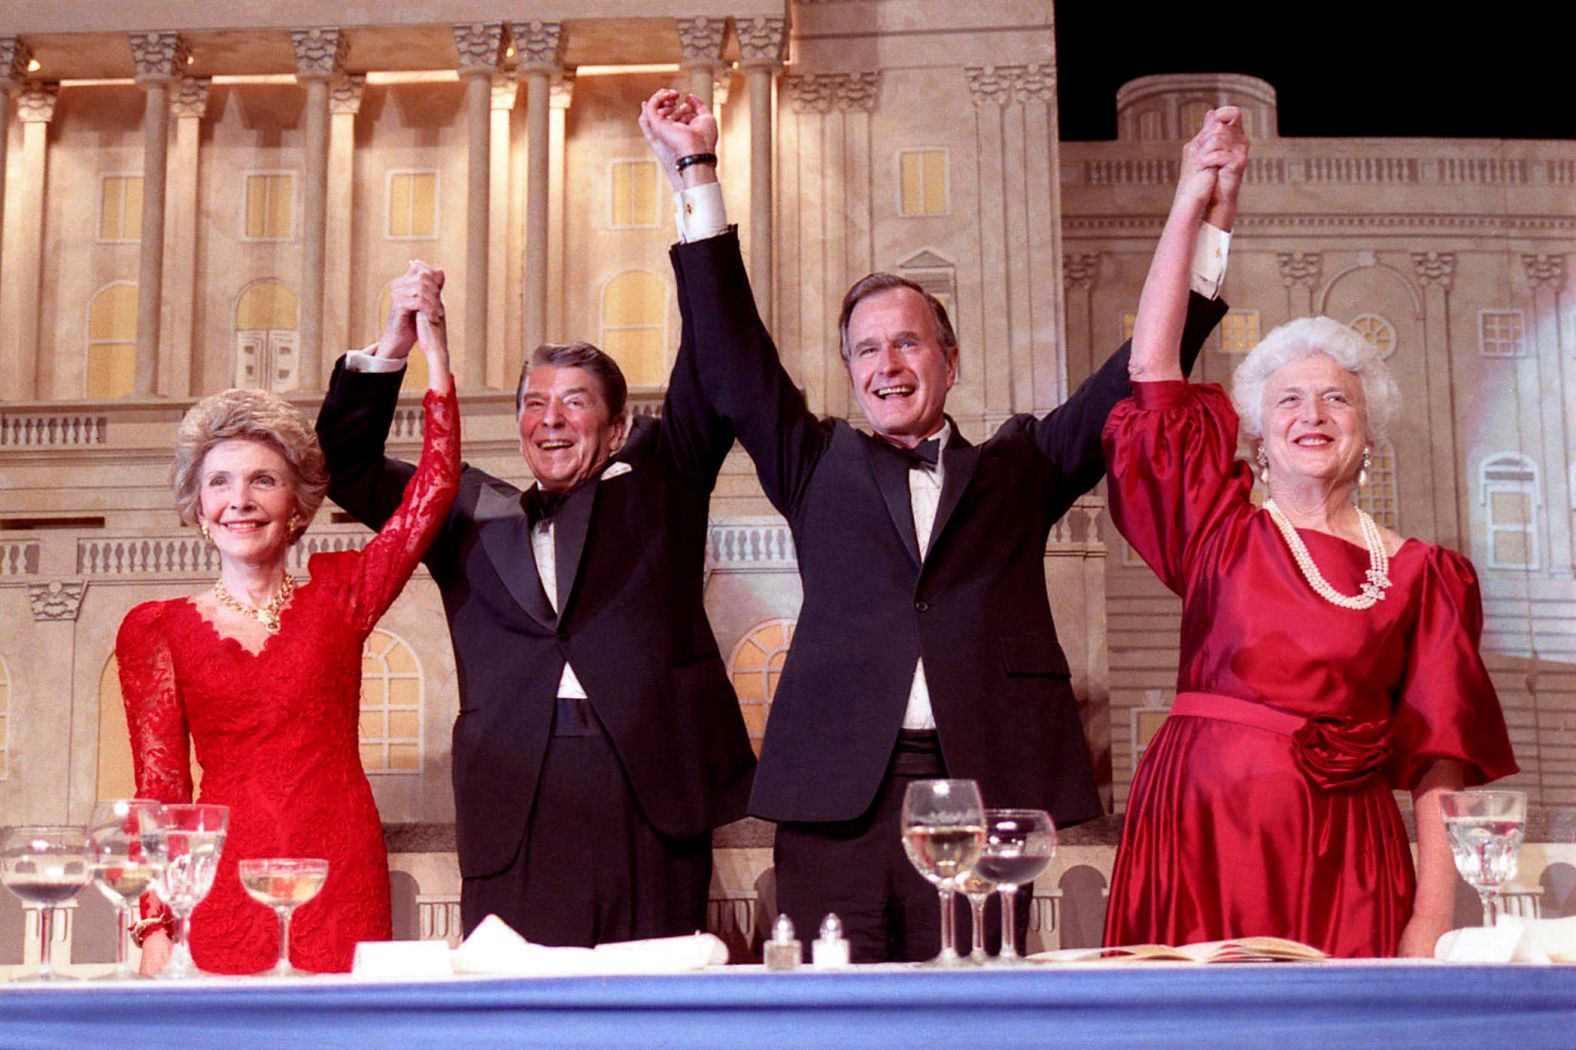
column 1305, row 337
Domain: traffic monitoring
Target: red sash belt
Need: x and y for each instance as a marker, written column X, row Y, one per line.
column 1332, row 753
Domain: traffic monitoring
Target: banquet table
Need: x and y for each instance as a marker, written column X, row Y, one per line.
column 1381, row 1004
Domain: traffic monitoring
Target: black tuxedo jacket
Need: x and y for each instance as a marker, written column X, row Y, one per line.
column 973, row 606
column 629, row 552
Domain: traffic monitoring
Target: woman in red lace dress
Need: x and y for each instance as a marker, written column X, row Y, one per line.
column 1325, row 661
column 261, row 674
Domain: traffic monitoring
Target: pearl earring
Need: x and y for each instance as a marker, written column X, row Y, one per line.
column 1362, row 472
column 1264, row 465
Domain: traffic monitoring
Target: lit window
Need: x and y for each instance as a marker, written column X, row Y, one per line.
column 1239, row 331
column 266, row 342
column 391, row 692
column 922, row 182
column 270, row 206
column 1378, row 497
column 413, row 205
column 1501, row 333
column 1379, row 332
column 634, row 194
column 112, row 341
column 635, row 326
column 120, row 208
column 1509, row 491
column 755, row 667
column 1129, row 322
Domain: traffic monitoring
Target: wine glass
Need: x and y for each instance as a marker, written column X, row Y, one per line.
column 1485, row 829
column 1019, row 845
column 45, row 867
column 193, row 836
column 977, row 889
column 943, row 830
column 283, row 883
column 125, row 863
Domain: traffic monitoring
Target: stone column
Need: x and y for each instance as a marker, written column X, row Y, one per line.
column 1043, row 384
column 810, row 314
column 504, row 93
column 28, row 372
column 700, row 42
column 1436, row 272
column 344, row 103
column 320, row 55
column 1300, row 270
column 1546, row 275
column 1080, row 273
column 760, row 55
column 181, row 370
column 14, row 59
column 480, row 46
column 559, row 100
column 990, row 89
column 160, row 58
column 540, row 48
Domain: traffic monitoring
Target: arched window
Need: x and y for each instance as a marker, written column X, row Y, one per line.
column 112, row 341
column 116, row 778
column 1509, row 490
column 266, row 342
column 1378, row 497
column 1378, row 331
column 635, row 326
column 5, row 716
column 391, row 702
column 416, row 364
column 755, row 666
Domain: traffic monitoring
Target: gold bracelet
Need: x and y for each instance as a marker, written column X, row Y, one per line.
column 142, row 927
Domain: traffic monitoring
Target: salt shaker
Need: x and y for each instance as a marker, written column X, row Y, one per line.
column 829, row 951
column 782, row 951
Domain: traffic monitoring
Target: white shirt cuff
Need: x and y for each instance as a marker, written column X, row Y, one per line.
column 699, row 212
column 1211, row 249
column 363, row 361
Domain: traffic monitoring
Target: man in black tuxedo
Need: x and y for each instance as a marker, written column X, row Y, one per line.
column 599, row 740
column 925, row 645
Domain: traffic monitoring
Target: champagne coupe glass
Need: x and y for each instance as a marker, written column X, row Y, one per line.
column 45, row 867
column 1485, row 829
column 282, row 883
column 943, row 830
column 125, row 863
column 193, row 838
column 1019, row 845
column 977, row 889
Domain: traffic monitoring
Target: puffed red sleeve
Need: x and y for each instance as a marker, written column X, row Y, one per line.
column 389, row 559
column 1448, row 707
column 1170, row 452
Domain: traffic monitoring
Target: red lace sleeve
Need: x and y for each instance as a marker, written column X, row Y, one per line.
column 1448, row 706
column 1170, row 451
column 387, row 562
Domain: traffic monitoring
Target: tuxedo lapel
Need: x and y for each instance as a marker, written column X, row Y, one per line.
column 958, row 461
column 571, row 525
column 891, row 472
column 506, row 537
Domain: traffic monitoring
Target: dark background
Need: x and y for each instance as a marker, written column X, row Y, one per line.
column 1380, row 69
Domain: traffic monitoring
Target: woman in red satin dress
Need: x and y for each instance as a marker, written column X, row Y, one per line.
column 262, row 676
column 1325, row 661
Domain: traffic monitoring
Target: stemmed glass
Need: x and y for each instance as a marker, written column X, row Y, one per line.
column 125, row 863
column 1019, row 845
column 45, row 867
column 977, row 889
column 943, row 830
column 283, row 883
column 193, row 836
column 1485, row 829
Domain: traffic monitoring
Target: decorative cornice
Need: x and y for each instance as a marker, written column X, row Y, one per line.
column 700, row 41
column 1435, row 268
column 999, row 85
column 1037, row 83
column 158, row 56
column 480, row 46
column 319, row 52
column 1080, row 270
column 15, row 56
column 810, row 92
column 761, row 41
column 191, row 97
column 853, row 92
column 562, row 91
column 35, row 103
column 1300, row 268
column 540, row 45
column 1544, row 271
column 505, row 91
column 346, row 94
column 822, row 92
column 989, row 85
column 59, row 601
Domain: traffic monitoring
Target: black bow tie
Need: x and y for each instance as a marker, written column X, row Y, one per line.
column 541, row 505
column 927, row 453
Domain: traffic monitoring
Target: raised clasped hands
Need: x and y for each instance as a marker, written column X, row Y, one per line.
column 415, row 293
column 678, row 126
column 1212, row 166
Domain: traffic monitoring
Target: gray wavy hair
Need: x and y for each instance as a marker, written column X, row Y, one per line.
column 1305, row 337
column 253, row 415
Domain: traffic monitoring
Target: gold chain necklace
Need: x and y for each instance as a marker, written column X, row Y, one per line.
column 268, row 615
column 1378, row 575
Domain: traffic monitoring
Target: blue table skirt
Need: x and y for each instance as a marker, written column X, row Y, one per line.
column 1386, row 1005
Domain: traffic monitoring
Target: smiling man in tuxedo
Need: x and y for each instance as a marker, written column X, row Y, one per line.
column 599, row 740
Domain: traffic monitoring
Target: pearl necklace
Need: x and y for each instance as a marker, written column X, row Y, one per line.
column 268, row 615
column 1378, row 575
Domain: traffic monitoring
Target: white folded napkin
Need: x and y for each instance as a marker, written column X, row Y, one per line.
column 1513, row 939
column 495, row 948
